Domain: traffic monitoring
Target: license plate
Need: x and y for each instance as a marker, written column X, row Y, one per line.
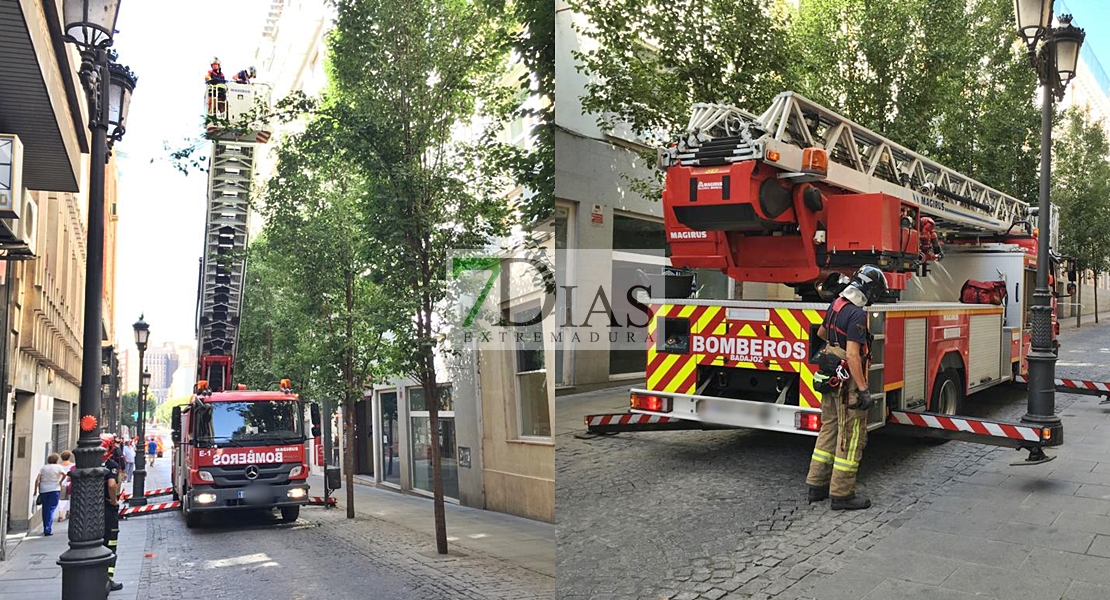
column 723, row 409
column 240, row 493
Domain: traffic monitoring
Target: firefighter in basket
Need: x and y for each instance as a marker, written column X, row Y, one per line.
column 843, row 381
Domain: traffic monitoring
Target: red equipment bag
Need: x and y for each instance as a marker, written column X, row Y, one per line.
column 983, row 292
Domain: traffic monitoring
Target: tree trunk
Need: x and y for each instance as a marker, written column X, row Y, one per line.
column 1096, row 297
column 431, row 398
column 1078, row 306
column 348, row 394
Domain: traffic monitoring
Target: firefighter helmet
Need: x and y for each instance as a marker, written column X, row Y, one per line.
column 108, row 444
column 869, row 281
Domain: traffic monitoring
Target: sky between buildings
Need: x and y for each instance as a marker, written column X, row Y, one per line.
column 169, row 46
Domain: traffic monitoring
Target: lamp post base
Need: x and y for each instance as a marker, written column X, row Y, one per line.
column 85, row 571
column 138, row 486
column 1042, row 395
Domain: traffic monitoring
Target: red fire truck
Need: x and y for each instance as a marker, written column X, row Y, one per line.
column 801, row 196
column 241, row 449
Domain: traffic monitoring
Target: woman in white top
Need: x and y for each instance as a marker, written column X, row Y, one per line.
column 67, row 464
column 49, row 486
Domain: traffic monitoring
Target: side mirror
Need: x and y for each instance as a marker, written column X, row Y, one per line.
column 175, row 424
column 314, row 410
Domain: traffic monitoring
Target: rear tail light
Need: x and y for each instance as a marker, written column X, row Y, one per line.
column 807, row 421
column 650, row 402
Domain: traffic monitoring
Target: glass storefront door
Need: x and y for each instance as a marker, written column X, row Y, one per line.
column 421, row 442
column 391, row 438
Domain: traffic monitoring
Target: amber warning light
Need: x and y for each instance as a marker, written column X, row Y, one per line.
column 815, row 161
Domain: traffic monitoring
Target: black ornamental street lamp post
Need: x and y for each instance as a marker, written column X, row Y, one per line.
column 1054, row 52
column 138, row 487
column 89, row 24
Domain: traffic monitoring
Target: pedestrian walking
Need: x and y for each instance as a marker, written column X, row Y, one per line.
column 48, row 486
column 67, row 464
column 843, row 435
column 129, row 460
column 151, row 451
column 111, row 509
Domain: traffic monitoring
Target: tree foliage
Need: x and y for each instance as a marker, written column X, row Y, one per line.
column 946, row 78
column 1081, row 188
column 655, row 58
column 381, row 183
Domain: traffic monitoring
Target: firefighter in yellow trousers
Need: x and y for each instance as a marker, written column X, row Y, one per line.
column 843, row 435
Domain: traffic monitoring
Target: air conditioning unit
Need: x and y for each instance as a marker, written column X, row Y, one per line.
column 11, row 175
column 19, row 236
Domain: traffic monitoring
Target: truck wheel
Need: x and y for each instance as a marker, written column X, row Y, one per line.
column 192, row 517
column 948, row 393
column 290, row 513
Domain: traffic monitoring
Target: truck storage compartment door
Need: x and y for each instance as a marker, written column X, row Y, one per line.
column 914, row 365
column 984, row 350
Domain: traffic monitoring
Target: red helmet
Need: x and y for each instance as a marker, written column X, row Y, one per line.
column 108, row 444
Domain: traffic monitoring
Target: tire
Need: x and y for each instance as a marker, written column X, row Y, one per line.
column 290, row 513
column 947, row 381
column 948, row 393
column 192, row 517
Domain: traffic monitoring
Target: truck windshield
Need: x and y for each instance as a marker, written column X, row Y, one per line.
column 250, row 422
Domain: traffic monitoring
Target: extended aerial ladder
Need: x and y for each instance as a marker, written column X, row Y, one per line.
column 223, row 264
column 801, row 196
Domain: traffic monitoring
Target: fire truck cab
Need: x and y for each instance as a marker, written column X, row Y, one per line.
column 241, row 450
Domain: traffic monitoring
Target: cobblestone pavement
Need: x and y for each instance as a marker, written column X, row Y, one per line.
column 691, row 515
column 247, row 556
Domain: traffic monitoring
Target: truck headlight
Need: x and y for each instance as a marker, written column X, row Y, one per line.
column 296, row 493
column 205, row 498
column 205, row 476
column 296, row 472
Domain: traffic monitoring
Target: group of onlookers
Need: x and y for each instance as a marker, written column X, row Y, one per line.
column 53, row 487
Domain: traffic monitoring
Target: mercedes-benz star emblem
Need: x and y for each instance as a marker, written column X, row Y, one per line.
column 252, row 472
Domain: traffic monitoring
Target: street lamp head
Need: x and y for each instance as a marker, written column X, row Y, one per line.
column 90, row 23
column 142, row 333
column 121, row 83
column 1067, row 39
column 146, row 379
column 1034, row 17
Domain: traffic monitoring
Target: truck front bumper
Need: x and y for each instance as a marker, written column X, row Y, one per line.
column 204, row 497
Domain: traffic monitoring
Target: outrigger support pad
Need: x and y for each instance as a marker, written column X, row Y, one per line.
column 1036, row 457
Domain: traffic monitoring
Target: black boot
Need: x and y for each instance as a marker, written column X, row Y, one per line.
column 817, row 494
column 114, row 586
column 853, row 502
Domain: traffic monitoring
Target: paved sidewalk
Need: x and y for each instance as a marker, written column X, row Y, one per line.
column 32, row 572
column 523, row 542
column 1001, row 532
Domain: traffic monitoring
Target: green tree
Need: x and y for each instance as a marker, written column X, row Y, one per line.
column 129, row 407
column 315, row 259
column 655, row 58
column 955, row 89
column 404, row 78
column 1081, row 188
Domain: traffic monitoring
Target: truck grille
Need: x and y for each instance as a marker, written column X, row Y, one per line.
column 236, row 476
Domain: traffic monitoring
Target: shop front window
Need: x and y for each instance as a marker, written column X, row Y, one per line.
column 391, row 438
column 421, row 442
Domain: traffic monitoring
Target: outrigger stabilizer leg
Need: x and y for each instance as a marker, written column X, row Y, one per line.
column 977, row 431
column 1077, row 386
